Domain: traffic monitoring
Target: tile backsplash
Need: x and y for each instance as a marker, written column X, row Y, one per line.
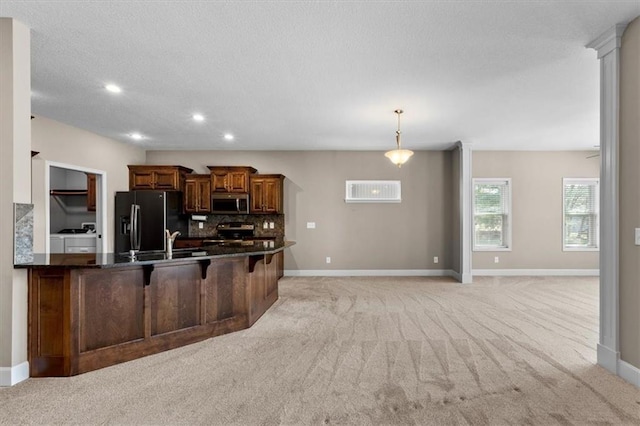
column 209, row 226
column 23, row 233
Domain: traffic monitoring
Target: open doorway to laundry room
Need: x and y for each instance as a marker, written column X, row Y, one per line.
column 75, row 209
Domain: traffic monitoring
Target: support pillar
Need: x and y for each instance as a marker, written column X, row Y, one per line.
column 466, row 211
column 608, row 49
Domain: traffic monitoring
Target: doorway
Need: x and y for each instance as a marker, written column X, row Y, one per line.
column 69, row 200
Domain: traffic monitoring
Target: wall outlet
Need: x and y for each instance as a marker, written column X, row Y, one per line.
column 435, row 259
column 265, row 224
column 311, row 225
column 328, row 259
column 496, row 259
column 200, row 225
column 638, row 236
column 272, row 225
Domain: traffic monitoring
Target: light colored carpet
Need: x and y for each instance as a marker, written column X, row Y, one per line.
column 367, row 351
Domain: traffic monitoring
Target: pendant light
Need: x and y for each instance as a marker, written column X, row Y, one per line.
column 398, row 156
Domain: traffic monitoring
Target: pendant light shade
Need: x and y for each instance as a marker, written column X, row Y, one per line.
column 398, row 156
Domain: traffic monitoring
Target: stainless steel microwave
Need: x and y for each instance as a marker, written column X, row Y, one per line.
column 229, row 203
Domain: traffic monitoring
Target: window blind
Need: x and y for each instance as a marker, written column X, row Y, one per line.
column 581, row 213
column 491, row 214
column 373, row 191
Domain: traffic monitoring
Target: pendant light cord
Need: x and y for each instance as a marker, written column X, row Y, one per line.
column 398, row 111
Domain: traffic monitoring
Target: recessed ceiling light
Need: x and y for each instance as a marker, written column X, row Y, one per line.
column 113, row 88
column 228, row 137
column 135, row 136
column 197, row 117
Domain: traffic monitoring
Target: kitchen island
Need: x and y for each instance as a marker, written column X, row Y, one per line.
column 89, row 311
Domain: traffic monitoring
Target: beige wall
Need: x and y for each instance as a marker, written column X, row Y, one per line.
column 356, row 236
column 61, row 143
column 536, row 179
column 15, row 136
column 629, row 280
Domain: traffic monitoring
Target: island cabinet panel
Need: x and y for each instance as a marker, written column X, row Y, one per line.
column 263, row 285
column 85, row 318
column 280, row 264
column 111, row 308
column 225, row 290
column 48, row 321
column 175, row 298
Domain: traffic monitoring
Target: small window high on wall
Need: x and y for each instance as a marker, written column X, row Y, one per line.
column 492, row 214
column 373, row 191
column 581, row 210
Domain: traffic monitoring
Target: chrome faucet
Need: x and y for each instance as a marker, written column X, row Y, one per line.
column 170, row 238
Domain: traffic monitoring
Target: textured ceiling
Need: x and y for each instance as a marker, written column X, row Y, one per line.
column 291, row 75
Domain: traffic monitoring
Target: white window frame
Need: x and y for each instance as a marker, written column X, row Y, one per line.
column 569, row 181
column 377, row 187
column 509, row 214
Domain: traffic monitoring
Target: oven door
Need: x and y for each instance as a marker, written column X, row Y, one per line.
column 228, row 203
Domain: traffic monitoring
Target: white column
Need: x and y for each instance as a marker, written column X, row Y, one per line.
column 466, row 213
column 608, row 48
column 15, row 187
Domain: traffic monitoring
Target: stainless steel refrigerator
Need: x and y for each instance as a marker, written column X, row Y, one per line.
column 142, row 217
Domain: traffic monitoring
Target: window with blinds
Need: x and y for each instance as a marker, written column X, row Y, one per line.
column 492, row 214
column 581, row 209
column 373, row 191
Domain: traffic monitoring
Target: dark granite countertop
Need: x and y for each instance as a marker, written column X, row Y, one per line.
column 112, row 260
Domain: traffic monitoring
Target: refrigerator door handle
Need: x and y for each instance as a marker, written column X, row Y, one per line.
column 136, row 231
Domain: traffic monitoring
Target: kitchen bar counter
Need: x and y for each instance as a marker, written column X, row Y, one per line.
column 89, row 311
column 110, row 260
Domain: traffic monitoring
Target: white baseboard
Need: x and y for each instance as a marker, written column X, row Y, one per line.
column 608, row 358
column 10, row 376
column 629, row 372
column 537, row 272
column 369, row 273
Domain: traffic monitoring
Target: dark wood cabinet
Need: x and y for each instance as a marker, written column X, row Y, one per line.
column 165, row 178
column 280, row 265
column 197, row 193
column 181, row 243
column 91, row 192
column 174, row 296
column 263, row 285
column 266, row 195
column 82, row 319
column 230, row 178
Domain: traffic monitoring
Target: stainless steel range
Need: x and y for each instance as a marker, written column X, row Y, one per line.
column 240, row 233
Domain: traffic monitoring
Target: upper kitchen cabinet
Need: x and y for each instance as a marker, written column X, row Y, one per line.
column 164, row 178
column 197, row 193
column 231, row 178
column 266, row 195
column 91, row 192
